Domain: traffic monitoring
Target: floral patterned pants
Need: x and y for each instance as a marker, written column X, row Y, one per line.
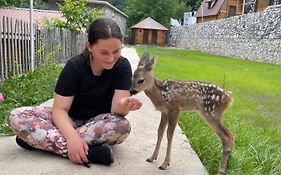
column 34, row 126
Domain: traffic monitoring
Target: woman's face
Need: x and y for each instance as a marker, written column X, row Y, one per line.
column 106, row 52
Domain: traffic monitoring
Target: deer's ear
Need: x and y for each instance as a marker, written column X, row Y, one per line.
column 151, row 62
column 144, row 59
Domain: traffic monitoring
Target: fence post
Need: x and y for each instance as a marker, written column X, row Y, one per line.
column 1, row 51
column 31, row 35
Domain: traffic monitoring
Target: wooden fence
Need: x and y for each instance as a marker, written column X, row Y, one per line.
column 50, row 45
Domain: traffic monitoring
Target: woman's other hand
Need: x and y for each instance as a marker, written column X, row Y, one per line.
column 77, row 150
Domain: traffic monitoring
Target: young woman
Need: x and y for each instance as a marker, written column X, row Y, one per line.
column 90, row 101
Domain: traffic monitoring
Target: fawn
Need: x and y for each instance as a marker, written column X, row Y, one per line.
column 171, row 96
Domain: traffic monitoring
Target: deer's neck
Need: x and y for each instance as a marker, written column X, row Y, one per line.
column 153, row 89
column 153, row 92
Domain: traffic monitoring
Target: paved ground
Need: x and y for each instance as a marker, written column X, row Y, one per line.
column 129, row 156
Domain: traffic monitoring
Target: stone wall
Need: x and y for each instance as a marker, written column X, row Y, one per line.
column 255, row 36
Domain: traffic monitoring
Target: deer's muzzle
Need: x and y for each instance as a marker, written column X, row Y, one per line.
column 133, row 92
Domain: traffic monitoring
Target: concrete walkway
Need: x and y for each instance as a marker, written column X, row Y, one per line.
column 130, row 156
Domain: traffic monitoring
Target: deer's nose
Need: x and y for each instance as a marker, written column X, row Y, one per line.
column 133, row 92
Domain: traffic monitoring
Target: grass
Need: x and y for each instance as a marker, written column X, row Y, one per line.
column 27, row 90
column 254, row 118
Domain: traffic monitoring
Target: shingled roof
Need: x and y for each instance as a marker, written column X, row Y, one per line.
column 23, row 14
column 149, row 23
column 214, row 10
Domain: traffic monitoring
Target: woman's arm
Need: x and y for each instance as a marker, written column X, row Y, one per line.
column 122, row 103
column 60, row 116
column 76, row 146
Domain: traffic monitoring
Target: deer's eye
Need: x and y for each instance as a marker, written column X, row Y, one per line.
column 140, row 81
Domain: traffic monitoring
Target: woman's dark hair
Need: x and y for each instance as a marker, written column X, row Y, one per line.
column 103, row 28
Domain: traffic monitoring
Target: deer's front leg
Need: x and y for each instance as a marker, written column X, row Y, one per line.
column 161, row 129
column 173, row 117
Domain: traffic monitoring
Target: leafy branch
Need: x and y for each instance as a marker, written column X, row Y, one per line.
column 77, row 16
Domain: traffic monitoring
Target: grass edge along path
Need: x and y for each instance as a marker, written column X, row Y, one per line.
column 254, row 117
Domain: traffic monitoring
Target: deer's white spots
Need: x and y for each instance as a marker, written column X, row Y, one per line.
column 195, row 85
column 204, row 90
column 219, row 89
column 218, row 98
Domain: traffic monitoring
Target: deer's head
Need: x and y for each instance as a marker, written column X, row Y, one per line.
column 143, row 77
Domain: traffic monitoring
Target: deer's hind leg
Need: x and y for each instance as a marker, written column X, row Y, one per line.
column 161, row 129
column 225, row 135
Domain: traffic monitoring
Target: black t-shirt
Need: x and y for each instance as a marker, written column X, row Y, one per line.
column 92, row 94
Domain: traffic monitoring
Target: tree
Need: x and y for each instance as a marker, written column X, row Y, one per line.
column 160, row 10
column 120, row 4
column 180, row 9
column 38, row 4
column 77, row 16
column 194, row 4
column 197, row 4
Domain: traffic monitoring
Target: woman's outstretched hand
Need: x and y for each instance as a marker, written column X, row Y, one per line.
column 123, row 103
column 132, row 104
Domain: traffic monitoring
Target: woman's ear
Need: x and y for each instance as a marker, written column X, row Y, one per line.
column 88, row 46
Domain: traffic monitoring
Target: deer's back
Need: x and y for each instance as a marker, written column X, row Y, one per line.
column 194, row 95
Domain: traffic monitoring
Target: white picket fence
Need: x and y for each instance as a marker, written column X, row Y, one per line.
column 50, row 45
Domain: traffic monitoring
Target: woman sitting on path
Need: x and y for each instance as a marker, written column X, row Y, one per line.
column 90, row 101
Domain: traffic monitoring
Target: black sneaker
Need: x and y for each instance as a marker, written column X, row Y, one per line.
column 99, row 155
column 24, row 145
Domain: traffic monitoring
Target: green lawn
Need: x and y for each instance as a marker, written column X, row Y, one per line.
column 254, row 118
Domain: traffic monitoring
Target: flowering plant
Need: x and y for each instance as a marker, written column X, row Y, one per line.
column 2, row 98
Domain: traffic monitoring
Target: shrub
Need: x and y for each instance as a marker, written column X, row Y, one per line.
column 29, row 89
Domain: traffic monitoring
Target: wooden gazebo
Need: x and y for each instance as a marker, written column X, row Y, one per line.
column 148, row 31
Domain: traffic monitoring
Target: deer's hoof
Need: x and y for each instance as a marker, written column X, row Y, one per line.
column 150, row 159
column 164, row 166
